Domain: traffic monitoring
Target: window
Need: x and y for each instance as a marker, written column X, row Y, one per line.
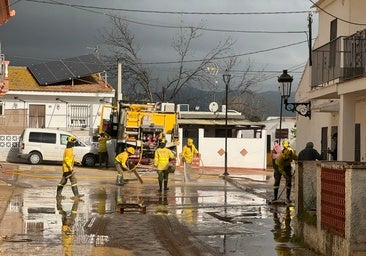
column 63, row 138
column 79, row 115
column 42, row 137
column 37, row 116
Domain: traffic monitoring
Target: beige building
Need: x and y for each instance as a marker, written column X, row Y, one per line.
column 335, row 83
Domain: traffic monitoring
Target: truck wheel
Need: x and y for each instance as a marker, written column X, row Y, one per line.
column 89, row 160
column 35, row 158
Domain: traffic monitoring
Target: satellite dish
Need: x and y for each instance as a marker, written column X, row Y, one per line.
column 213, row 107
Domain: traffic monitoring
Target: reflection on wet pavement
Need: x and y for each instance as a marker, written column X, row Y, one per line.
column 231, row 221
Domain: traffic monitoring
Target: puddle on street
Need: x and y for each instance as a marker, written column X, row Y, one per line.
column 228, row 219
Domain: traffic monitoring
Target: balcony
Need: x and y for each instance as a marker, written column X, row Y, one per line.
column 339, row 60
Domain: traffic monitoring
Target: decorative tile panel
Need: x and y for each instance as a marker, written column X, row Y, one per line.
column 333, row 200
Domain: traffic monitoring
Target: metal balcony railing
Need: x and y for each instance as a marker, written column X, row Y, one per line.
column 341, row 59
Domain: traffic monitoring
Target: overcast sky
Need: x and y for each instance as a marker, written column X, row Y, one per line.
column 41, row 31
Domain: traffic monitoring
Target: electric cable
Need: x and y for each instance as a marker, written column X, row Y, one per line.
column 346, row 21
column 53, row 2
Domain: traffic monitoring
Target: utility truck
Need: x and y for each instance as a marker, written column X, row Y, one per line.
column 142, row 126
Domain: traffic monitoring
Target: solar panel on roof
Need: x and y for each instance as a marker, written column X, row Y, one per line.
column 92, row 63
column 76, row 67
column 66, row 69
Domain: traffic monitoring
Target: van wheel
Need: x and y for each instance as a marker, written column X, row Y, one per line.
column 89, row 161
column 35, row 158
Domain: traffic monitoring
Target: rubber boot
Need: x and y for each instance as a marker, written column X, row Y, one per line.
column 160, row 185
column 288, row 193
column 59, row 192
column 166, row 185
column 275, row 194
column 76, row 192
column 120, row 181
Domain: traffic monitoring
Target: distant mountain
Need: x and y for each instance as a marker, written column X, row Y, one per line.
column 270, row 100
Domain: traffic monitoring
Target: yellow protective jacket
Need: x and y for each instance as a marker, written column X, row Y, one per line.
column 68, row 160
column 188, row 152
column 162, row 157
column 122, row 159
column 103, row 142
column 285, row 159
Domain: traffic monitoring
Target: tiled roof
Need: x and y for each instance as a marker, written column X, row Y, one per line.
column 20, row 79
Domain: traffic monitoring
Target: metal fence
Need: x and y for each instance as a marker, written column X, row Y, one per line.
column 341, row 59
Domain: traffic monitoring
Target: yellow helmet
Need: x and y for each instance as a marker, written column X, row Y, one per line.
column 162, row 143
column 190, row 142
column 285, row 144
column 163, row 140
column 70, row 138
column 131, row 150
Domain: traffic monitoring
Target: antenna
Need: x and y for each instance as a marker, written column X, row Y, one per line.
column 213, row 107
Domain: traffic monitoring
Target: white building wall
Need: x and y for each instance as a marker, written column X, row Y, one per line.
column 361, row 119
column 306, row 132
column 289, row 123
column 346, row 134
column 245, row 153
column 56, row 115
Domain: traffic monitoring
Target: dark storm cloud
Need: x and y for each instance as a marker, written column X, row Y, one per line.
column 40, row 32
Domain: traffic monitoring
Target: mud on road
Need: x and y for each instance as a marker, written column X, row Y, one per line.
column 209, row 216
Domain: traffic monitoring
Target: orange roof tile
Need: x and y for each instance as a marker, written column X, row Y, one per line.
column 20, row 79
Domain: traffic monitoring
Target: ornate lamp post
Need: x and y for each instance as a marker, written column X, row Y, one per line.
column 226, row 77
column 302, row 108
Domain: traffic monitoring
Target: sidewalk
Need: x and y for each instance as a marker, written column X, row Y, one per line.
column 6, row 188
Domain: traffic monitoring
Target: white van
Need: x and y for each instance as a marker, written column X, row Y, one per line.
column 38, row 144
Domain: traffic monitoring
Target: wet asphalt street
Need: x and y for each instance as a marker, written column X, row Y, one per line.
column 212, row 215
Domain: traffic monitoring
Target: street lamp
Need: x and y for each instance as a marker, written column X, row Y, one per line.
column 64, row 101
column 226, row 77
column 17, row 98
column 104, row 101
column 302, row 108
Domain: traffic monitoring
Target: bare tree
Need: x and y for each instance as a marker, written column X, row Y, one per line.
column 138, row 76
column 191, row 71
column 241, row 94
column 123, row 47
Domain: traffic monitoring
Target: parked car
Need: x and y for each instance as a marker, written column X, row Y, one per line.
column 39, row 144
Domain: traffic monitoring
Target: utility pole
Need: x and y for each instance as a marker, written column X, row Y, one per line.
column 310, row 20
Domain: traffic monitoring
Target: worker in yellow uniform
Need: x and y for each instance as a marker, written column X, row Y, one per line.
column 121, row 164
column 102, row 149
column 284, row 167
column 161, row 162
column 68, row 169
column 189, row 150
column 68, row 221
